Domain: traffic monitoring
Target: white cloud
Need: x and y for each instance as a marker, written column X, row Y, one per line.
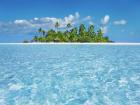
column 30, row 26
column 69, row 19
column 120, row 22
column 77, row 15
column 35, row 18
column 91, row 22
column 21, row 22
column 87, row 18
column 104, row 23
column 104, row 29
column 24, row 26
column 105, row 20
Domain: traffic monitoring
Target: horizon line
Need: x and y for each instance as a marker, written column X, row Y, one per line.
column 53, row 43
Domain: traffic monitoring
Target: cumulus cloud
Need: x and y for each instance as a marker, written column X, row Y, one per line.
column 120, row 22
column 104, row 23
column 91, row 23
column 105, row 20
column 87, row 18
column 77, row 15
column 23, row 26
column 21, row 22
column 104, row 29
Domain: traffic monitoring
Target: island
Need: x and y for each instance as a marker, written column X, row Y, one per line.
column 70, row 34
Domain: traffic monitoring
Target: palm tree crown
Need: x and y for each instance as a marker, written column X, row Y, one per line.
column 57, row 25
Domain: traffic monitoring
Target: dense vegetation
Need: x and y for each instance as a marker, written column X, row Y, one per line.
column 71, row 34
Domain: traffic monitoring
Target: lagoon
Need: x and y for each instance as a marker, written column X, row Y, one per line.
column 69, row 74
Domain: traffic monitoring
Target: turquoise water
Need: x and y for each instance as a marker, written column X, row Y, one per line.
column 69, row 75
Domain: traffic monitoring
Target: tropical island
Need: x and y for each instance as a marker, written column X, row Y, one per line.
column 70, row 34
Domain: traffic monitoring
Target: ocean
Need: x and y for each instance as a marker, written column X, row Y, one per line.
column 69, row 74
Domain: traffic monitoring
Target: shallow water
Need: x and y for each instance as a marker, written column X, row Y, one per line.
column 69, row 75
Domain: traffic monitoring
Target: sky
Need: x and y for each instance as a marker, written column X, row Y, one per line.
column 118, row 19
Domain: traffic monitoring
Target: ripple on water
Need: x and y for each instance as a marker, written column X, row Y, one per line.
column 72, row 75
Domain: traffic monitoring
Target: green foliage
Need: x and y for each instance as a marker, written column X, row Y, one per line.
column 69, row 25
column 100, row 37
column 41, row 31
column 73, row 35
column 57, row 25
column 91, row 31
column 82, row 30
column 35, row 38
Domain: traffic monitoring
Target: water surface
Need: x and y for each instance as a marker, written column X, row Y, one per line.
column 69, row 75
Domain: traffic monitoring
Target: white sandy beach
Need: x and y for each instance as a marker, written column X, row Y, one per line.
column 51, row 43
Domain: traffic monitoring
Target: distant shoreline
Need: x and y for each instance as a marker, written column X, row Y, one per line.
column 51, row 43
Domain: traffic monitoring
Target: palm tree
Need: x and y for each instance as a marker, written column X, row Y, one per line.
column 99, row 35
column 57, row 25
column 35, row 38
column 77, row 34
column 40, row 30
column 73, row 35
column 69, row 25
column 82, row 30
column 43, row 33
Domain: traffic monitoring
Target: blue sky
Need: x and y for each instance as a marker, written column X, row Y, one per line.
column 20, row 19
